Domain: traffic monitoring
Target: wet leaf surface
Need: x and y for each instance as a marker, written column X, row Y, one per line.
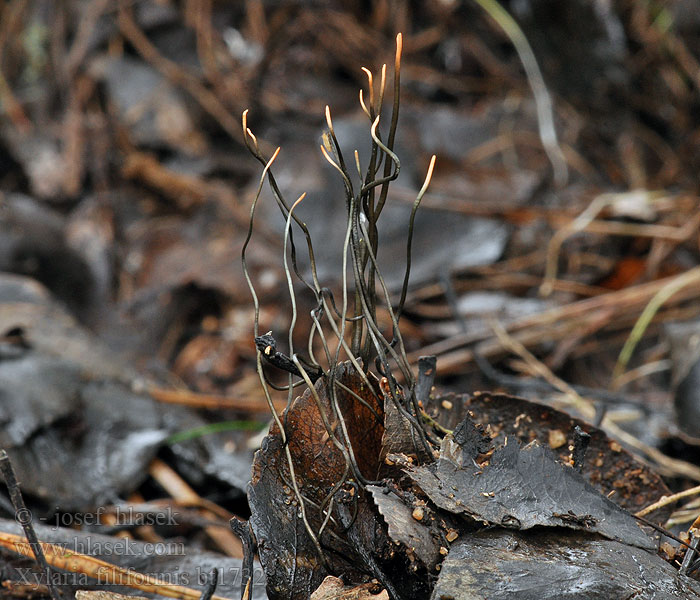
column 404, row 529
column 521, row 488
column 547, row 565
column 69, row 414
column 103, row 447
column 222, row 457
column 44, row 326
column 154, row 111
column 28, row 403
column 607, row 466
column 399, row 436
column 32, row 243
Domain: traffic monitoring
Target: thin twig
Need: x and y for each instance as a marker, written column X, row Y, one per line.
column 671, row 466
column 584, row 406
column 172, row 71
column 212, row 582
column 242, row 529
column 586, row 222
column 662, row 530
column 24, row 516
column 666, row 500
column 555, row 323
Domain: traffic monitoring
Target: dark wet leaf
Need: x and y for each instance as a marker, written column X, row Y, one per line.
column 50, row 330
column 68, row 413
column 608, row 467
column 41, row 159
column 546, row 565
column 392, row 564
column 471, row 439
column 400, row 436
column 90, row 232
column 418, row 539
column 205, row 251
column 29, row 403
column 292, row 566
column 521, row 488
column 101, row 449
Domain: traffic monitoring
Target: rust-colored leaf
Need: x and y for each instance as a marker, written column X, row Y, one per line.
column 293, row 566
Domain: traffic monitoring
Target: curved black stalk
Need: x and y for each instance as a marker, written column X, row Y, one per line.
column 332, row 324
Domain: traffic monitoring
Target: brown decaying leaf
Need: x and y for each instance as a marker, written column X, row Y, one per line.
column 317, row 460
column 333, row 588
column 292, row 563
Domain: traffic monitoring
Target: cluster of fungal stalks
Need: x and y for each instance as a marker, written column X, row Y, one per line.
column 347, row 329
